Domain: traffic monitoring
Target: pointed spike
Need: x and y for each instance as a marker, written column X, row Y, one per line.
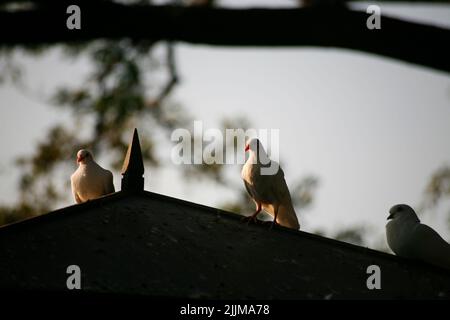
column 133, row 166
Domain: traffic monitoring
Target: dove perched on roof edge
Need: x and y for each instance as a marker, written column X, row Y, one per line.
column 90, row 181
column 409, row 238
column 269, row 191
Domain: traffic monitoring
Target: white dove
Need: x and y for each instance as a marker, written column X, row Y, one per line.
column 409, row 238
column 269, row 191
column 90, row 181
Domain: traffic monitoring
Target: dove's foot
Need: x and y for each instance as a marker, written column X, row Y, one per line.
column 251, row 218
column 274, row 223
column 270, row 223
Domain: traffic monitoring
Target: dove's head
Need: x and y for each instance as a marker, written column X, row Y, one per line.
column 83, row 156
column 253, row 145
column 403, row 212
column 257, row 151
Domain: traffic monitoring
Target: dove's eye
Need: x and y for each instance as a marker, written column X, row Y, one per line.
column 399, row 209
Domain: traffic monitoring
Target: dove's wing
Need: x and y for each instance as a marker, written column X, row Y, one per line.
column 74, row 191
column 249, row 189
column 280, row 188
column 271, row 188
column 109, row 185
column 430, row 246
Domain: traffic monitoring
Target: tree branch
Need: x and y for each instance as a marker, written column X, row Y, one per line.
column 323, row 27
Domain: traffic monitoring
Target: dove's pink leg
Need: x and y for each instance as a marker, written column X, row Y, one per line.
column 254, row 215
column 274, row 222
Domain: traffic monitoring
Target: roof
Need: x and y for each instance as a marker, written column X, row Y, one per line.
column 147, row 244
column 150, row 244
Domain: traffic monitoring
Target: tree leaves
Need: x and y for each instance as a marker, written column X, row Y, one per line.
column 438, row 187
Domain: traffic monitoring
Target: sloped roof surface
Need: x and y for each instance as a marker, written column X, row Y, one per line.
column 148, row 244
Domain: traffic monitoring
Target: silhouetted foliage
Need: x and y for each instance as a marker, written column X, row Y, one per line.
column 353, row 235
column 438, row 187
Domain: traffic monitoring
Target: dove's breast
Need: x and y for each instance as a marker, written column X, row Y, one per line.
column 398, row 239
column 404, row 239
column 89, row 183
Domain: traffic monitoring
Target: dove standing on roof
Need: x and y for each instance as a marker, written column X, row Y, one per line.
column 90, row 181
column 269, row 191
column 409, row 238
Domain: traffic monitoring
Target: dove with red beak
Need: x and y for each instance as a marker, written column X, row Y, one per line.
column 269, row 191
column 409, row 238
column 90, row 181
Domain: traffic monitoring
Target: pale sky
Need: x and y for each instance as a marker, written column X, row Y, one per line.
column 372, row 129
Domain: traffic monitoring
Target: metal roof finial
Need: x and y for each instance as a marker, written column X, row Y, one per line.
column 133, row 167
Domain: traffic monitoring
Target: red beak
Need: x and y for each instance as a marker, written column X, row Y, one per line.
column 79, row 159
column 247, row 147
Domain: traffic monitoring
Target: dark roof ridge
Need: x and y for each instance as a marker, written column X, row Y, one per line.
column 221, row 213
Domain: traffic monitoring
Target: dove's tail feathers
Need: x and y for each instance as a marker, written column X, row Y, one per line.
column 443, row 259
column 287, row 217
